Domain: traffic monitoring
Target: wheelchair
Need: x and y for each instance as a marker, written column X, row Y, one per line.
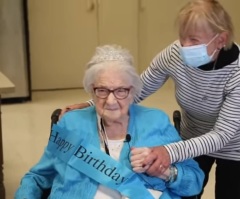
column 57, row 112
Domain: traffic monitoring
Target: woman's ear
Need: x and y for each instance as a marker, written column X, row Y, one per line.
column 222, row 40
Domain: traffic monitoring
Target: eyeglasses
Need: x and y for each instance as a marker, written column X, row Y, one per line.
column 119, row 93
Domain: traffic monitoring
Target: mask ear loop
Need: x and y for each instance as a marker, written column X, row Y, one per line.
column 212, row 39
column 214, row 50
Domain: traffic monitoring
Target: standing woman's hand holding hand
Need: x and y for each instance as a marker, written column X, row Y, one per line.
column 145, row 160
column 159, row 161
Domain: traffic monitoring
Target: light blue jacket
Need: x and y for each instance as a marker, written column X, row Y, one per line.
column 147, row 127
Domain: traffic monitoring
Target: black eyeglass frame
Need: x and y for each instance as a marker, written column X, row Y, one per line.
column 113, row 91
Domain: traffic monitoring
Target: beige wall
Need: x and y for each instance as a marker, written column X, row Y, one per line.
column 232, row 6
column 156, row 29
column 64, row 34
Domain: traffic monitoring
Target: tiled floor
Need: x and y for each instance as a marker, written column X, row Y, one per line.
column 26, row 129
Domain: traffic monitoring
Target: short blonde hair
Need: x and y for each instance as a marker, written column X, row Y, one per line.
column 204, row 14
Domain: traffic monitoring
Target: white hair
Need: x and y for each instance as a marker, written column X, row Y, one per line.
column 108, row 57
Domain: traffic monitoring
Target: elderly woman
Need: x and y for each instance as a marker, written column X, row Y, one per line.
column 88, row 151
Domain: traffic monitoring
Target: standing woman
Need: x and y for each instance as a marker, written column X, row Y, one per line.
column 204, row 65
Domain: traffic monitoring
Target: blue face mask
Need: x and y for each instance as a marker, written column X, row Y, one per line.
column 196, row 55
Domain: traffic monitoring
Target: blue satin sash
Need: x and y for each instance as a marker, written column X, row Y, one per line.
column 94, row 163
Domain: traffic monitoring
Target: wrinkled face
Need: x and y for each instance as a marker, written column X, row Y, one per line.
column 111, row 108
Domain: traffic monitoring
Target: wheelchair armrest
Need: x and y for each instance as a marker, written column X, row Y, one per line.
column 55, row 115
column 54, row 119
column 177, row 120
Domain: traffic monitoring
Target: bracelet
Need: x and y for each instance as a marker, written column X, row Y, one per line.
column 173, row 174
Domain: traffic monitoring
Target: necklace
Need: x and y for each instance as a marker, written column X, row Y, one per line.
column 103, row 135
column 109, row 145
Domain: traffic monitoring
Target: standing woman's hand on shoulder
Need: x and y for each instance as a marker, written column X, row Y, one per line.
column 73, row 107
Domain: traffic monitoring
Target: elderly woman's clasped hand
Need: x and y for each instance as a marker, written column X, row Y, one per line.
column 154, row 161
column 138, row 156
